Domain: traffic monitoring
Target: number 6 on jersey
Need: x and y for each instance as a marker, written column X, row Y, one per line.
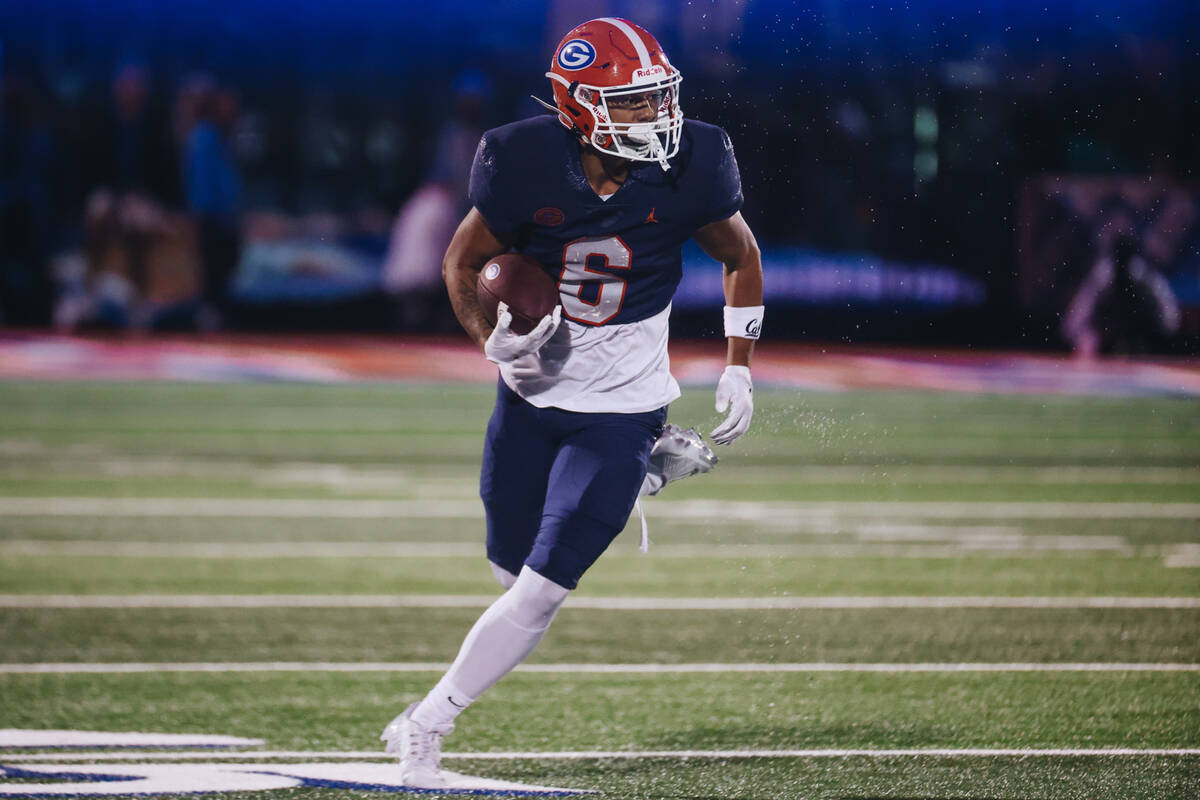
column 593, row 296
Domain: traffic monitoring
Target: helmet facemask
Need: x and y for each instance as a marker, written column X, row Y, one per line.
column 654, row 140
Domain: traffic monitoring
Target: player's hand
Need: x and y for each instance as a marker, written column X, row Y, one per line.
column 736, row 393
column 504, row 346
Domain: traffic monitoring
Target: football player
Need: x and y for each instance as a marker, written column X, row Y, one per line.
column 604, row 194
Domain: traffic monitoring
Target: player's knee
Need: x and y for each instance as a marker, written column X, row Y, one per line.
column 503, row 576
column 534, row 600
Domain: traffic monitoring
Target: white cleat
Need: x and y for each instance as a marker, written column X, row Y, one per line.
column 419, row 750
column 677, row 454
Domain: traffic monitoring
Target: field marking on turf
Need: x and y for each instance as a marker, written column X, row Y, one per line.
column 696, row 510
column 148, row 780
column 384, row 475
column 346, row 477
column 588, row 603
column 575, row 669
column 937, row 473
column 1183, row 555
column 242, row 550
column 15, row 737
column 562, row 755
column 1014, row 546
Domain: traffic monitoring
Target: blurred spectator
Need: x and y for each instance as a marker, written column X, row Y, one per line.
column 122, row 277
column 205, row 116
column 412, row 271
column 138, row 268
column 1123, row 306
column 139, row 152
column 904, row 134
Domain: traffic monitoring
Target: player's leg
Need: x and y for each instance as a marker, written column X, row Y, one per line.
column 594, row 484
column 503, row 636
column 518, row 453
column 503, row 576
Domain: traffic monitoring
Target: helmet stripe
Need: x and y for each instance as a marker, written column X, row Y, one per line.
column 638, row 44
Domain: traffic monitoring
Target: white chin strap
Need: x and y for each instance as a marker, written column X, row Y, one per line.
column 658, row 153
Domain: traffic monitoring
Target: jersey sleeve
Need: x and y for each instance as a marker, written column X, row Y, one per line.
column 726, row 198
column 487, row 190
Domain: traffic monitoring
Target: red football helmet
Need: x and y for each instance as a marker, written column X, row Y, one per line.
column 611, row 63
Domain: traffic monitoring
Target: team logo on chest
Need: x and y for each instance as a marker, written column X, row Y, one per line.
column 549, row 216
column 576, row 54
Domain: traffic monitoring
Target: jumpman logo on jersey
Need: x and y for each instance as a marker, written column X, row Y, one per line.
column 650, row 217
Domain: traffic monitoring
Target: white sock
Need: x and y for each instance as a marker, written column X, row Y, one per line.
column 651, row 484
column 503, row 576
column 500, row 640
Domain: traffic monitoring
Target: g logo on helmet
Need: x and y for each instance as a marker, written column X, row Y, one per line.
column 492, row 271
column 576, row 54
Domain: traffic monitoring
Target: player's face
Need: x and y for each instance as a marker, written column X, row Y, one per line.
column 637, row 107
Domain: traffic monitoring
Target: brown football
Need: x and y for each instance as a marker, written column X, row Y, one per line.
column 521, row 282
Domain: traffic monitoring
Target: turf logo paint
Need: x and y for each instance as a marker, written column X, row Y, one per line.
column 124, row 780
column 139, row 779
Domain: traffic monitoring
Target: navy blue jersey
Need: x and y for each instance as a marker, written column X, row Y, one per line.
column 616, row 260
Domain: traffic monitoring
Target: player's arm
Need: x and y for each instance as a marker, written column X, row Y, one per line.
column 731, row 242
column 473, row 244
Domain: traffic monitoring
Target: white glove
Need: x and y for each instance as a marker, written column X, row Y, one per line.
column 504, row 346
column 736, row 393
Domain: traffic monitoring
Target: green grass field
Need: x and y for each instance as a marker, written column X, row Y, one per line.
column 949, row 573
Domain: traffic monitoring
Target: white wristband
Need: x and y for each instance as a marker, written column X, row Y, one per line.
column 743, row 321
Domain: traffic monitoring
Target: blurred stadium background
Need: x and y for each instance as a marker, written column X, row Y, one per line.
column 957, row 556
column 933, row 172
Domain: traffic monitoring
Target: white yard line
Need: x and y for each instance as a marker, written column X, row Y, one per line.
column 243, row 550
column 557, row 755
column 1013, row 547
column 1183, row 556
column 238, row 507
column 356, row 477
column 11, row 737
column 697, row 510
column 939, row 473
column 575, row 669
column 580, row 602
